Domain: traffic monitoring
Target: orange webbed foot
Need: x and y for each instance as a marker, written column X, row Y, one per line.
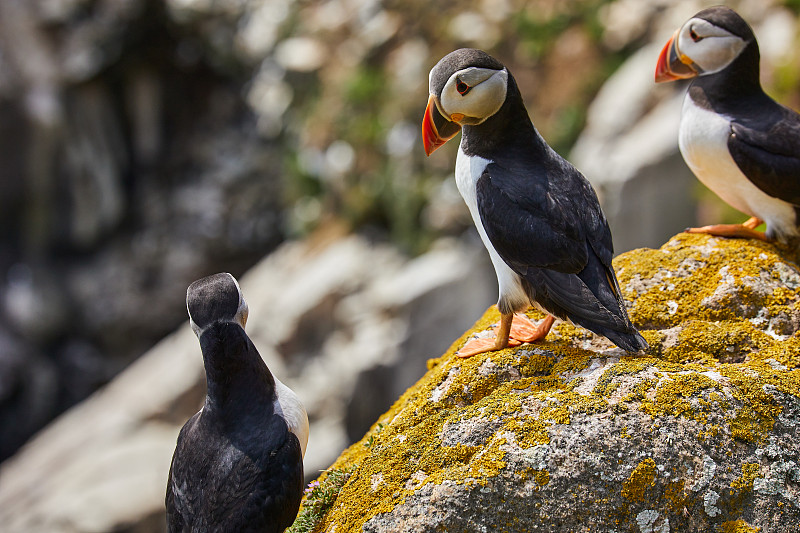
column 483, row 345
column 525, row 330
column 746, row 230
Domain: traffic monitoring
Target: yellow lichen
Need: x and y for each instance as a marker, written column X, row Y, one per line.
column 749, row 473
column 738, row 526
column 524, row 394
column 675, row 495
column 642, row 478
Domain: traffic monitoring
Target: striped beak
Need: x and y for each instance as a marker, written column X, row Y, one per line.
column 436, row 129
column 672, row 65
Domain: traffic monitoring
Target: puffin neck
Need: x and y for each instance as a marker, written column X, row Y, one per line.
column 235, row 373
column 739, row 81
column 510, row 126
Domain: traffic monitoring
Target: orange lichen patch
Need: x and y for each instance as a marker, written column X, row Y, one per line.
column 494, row 386
column 745, row 482
column 673, row 396
column 738, row 526
column 756, row 415
column 675, row 495
column 625, row 366
column 786, row 352
column 707, row 342
column 642, row 478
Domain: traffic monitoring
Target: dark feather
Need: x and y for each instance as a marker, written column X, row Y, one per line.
column 769, row 154
column 544, row 220
column 236, row 466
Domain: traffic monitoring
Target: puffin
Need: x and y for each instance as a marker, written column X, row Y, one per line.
column 738, row 141
column 537, row 215
column 238, row 462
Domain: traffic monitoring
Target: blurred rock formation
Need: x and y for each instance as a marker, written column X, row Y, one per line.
column 348, row 325
column 130, row 165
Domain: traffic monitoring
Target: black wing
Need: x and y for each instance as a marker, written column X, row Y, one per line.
column 272, row 483
column 544, row 220
column 247, row 481
column 179, row 501
column 542, row 214
column 768, row 152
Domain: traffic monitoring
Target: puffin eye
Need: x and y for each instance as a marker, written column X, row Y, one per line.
column 462, row 87
column 693, row 34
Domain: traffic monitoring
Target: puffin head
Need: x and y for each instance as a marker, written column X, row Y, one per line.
column 214, row 299
column 466, row 87
column 705, row 44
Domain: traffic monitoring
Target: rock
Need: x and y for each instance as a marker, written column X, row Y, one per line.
column 328, row 316
column 27, row 385
column 573, row 434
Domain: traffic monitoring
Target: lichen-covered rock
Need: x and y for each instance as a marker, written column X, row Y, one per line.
column 573, row 434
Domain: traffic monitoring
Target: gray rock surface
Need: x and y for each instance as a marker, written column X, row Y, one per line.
column 574, row 435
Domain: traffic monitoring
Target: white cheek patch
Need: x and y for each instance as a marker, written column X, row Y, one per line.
column 714, row 51
column 484, row 99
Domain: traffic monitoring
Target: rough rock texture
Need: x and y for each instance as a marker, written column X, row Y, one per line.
column 572, row 434
column 329, row 318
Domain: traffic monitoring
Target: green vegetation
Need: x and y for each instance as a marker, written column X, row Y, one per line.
column 319, row 497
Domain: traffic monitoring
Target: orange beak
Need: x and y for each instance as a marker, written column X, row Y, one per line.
column 672, row 65
column 436, row 128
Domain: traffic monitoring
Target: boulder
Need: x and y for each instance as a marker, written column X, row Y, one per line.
column 574, row 434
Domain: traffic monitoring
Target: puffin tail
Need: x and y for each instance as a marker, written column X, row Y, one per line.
column 631, row 341
column 590, row 299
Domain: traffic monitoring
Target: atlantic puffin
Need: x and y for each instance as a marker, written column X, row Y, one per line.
column 738, row 141
column 238, row 463
column 538, row 217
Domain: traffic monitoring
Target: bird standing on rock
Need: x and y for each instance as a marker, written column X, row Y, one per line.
column 238, row 463
column 737, row 140
column 538, row 217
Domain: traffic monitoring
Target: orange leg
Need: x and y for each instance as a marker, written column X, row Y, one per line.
column 746, row 230
column 512, row 331
column 525, row 330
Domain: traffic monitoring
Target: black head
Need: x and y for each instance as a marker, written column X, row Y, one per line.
column 708, row 43
column 727, row 19
column 214, row 299
column 460, row 59
column 466, row 87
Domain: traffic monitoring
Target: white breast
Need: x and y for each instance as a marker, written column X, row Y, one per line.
column 468, row 170
column 703, row 140
column 292, row 410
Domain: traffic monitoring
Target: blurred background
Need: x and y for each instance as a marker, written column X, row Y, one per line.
column 147, row 143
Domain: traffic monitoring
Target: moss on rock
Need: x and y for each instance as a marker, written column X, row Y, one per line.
column 573, row 433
